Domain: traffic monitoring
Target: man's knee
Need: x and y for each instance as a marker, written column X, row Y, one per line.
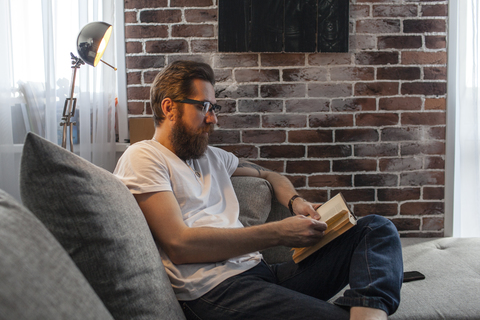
column 375, row 222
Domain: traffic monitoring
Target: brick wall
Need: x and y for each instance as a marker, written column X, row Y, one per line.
column 369, row 123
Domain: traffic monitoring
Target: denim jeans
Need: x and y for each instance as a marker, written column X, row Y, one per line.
column 368, row 257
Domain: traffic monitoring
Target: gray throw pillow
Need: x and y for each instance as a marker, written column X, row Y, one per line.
column 97, row 220
column 38, row 278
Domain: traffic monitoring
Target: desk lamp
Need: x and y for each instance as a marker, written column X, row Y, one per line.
column 91, row 44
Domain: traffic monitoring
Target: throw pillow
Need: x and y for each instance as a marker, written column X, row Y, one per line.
column 39, row 280
column 97, row 220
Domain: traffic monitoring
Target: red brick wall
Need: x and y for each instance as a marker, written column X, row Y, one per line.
column 369, row 123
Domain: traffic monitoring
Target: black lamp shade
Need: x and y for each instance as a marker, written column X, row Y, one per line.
column 92, row 41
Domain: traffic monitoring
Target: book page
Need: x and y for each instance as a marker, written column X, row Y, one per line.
column 332, row 207
column 337, row 221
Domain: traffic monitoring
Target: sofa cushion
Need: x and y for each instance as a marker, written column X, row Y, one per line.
column 255, row 198
column 39, row 280
column 97, row 220
column 452, row 279
column 258, row 205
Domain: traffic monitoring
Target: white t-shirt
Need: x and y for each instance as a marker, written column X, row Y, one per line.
column 206, row 197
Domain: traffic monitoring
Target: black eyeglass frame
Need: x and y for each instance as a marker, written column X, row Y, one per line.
column 207, row 105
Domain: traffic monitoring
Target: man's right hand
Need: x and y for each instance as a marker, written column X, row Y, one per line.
column 300, row 231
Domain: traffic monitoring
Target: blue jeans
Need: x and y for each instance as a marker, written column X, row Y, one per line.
column 368, row 257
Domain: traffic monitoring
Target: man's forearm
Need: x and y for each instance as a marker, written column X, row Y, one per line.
column 207, row 244
column 282, row 187
column 284, row 191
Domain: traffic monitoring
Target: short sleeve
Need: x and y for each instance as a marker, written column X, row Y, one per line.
column 143, row 169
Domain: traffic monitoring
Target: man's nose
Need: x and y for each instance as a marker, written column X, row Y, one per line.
column 211, row 117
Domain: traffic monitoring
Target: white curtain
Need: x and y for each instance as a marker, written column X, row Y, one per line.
column 466, row 214
column 37, row 38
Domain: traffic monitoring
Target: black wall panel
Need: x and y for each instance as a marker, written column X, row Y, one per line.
column 283, row 25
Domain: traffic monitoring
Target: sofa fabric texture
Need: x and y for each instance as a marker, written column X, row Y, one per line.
column 98, row 222
column 451, row 288
column 258, row 205
column 255, row 198
column 38, row 278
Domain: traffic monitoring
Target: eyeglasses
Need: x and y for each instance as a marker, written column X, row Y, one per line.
column 206, row 105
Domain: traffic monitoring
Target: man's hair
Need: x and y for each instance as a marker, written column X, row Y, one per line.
column 175, row 81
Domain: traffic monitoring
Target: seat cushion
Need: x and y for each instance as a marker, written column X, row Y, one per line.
column 39, row 280
column 98, row 222
column 452, row 279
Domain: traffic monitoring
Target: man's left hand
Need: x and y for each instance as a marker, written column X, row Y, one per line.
column 303, row 207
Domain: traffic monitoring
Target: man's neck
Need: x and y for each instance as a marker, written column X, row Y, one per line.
column 162, row 136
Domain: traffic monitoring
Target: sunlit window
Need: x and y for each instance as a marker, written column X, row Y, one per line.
column 37, row 38
column 472, row 47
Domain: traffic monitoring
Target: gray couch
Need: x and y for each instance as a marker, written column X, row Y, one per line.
column 86, row 251
column 451, row 266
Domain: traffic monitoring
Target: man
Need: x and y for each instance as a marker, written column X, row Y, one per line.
column 183, row 187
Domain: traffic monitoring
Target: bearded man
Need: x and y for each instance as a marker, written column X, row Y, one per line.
column 184, row 190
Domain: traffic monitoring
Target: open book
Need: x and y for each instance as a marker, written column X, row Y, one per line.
column 338, row 218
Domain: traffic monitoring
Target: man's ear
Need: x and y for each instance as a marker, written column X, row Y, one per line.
column 168, row 109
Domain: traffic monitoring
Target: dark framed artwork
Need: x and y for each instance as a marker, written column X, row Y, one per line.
column 283, row 25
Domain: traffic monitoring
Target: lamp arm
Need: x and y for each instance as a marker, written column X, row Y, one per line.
column 70, row 104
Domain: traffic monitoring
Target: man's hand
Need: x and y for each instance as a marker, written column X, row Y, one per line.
column 300, row 231
column 303, row 207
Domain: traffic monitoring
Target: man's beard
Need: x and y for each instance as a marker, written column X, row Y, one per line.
column 187, row 143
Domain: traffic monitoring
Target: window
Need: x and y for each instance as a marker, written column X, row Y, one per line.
column 462, row 194
column 35, row 73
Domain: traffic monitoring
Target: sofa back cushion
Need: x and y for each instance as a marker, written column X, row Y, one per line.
column 255, row 197
column 258, row 205
column 39, row 280
column 98, row 222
